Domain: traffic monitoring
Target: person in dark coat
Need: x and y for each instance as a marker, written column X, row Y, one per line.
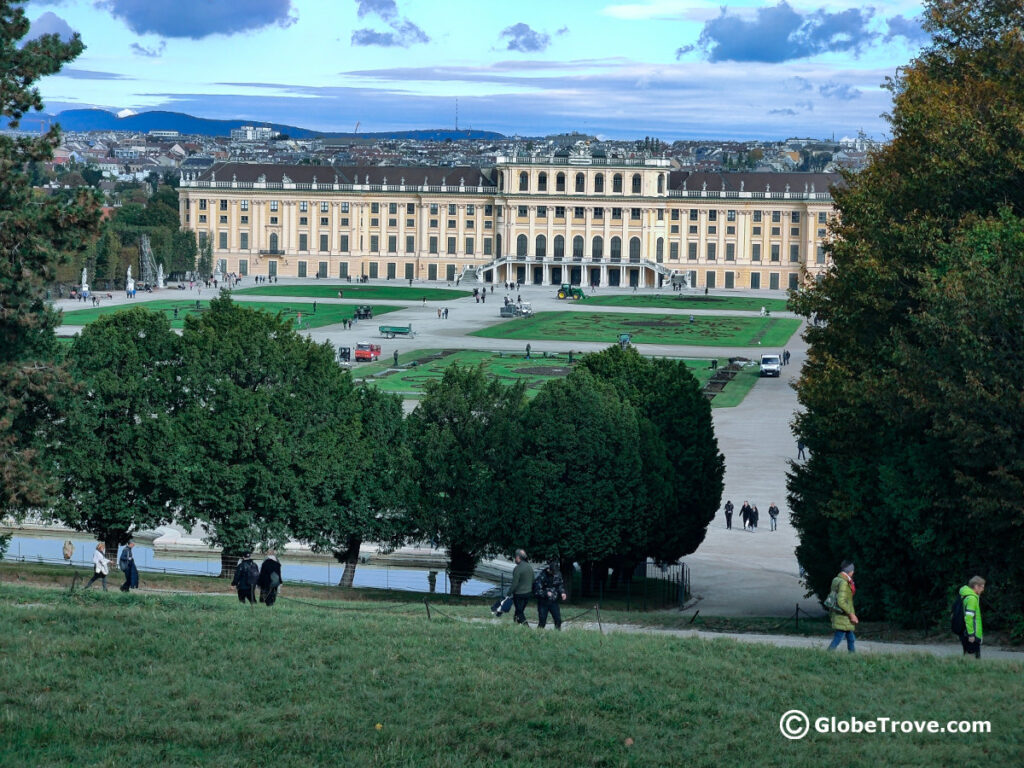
column 246, row 575
column 728, row 515
column 522, row 585
column 270, row 579
column 754, row 514
column 773, row 513
column 126, row 562
column 745, row 511
column 547, row 592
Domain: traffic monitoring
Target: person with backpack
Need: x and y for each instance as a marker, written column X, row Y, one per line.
column 247, row 574
column 840, row 604
column 547, row 588
column 100, row 566
column 522, row 584
column 269, row 579
column 967, row 616
column 126, row 562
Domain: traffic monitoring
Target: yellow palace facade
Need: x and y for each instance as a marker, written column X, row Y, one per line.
column 577, row 218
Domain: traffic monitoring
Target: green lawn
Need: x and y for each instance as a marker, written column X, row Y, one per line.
column 410, row 381
column 686, row 301
column 325, row 314
column 196, row 680
column 354, row 291
column 705, row 330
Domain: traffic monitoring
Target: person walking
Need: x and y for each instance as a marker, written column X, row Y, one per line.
column 970, row 595
column 773, row 515
column 844, row 619
column 745, row 514
column 548, row 587
column 800, row 449
column 522, row 586
column 126, row 562
column 754, row 515
column 728, row 515
column 100, row 566
column 247, row 574
column 269, row 579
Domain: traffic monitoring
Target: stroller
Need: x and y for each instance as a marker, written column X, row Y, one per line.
column 500, row 607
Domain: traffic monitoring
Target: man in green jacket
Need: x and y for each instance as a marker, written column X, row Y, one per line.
column 971, row 637
column 522, row 585
column 844, row 619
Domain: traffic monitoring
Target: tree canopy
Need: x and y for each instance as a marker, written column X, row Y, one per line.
column 914, row 463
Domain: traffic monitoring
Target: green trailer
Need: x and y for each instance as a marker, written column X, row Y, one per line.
column 396, row 330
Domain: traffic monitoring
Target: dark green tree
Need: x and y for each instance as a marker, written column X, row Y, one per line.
column 259, row 423
column 112, row 454
column 183, row 252
column 204, row 266
column 682, row 468
column 464, row 436
column 36, row 233
column 578, row 476
column 365, row 484
column 886, row 481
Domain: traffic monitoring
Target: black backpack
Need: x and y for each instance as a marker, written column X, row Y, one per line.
column 957, row 624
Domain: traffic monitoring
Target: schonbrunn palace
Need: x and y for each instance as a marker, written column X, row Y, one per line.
column 575, row 217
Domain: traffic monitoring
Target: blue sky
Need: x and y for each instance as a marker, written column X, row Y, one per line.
column 674, row 69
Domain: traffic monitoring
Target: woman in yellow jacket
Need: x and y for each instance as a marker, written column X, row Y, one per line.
column 844, row 619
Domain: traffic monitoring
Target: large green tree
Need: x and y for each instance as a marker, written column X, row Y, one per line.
column 682, row 467
column 264, row 410
column 464, row 437
column 36, row 233
column 578, row 477
column 113, row 453
column 365, row 483
column 903, row 473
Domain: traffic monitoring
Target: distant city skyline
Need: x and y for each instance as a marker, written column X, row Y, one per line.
column 673, row 69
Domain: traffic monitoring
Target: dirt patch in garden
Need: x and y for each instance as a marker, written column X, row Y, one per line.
column 547, row 370
column 655, row 323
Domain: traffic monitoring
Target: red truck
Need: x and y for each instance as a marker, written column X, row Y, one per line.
column 365, row 351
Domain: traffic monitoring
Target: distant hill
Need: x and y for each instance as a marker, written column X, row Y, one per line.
column 101, row 120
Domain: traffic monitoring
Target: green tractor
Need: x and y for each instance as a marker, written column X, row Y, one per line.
column 570, row 292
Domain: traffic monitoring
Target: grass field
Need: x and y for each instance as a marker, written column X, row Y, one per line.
column 99, row 679
column 354, row 291
column 686, row 301
column 705, row 330
column 510, row 367
column 325, row 314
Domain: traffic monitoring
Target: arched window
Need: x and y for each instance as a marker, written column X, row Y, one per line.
column 617, row 182
column 542, row 182
column 636, row 183
column 581, row 182
column 661, row 183
column 577, row 247
column 560, row 182
column 660, row 249
column 616, row 249
column 521, row 242
column 524, row 182
column 273, row 242
column 597, row 248
column 559, row 247
column 634, row 249
column 542, row 247
column 599, row 183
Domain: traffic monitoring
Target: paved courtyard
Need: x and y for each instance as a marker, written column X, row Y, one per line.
column 734, row 572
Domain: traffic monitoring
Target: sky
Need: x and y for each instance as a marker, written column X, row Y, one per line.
column 673, row 69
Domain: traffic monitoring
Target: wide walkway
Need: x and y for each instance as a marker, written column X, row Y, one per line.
column 734, row 572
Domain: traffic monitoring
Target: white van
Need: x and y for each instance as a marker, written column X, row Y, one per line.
column 771, row 365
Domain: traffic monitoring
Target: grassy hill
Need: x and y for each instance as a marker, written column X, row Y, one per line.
column 99, row 679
